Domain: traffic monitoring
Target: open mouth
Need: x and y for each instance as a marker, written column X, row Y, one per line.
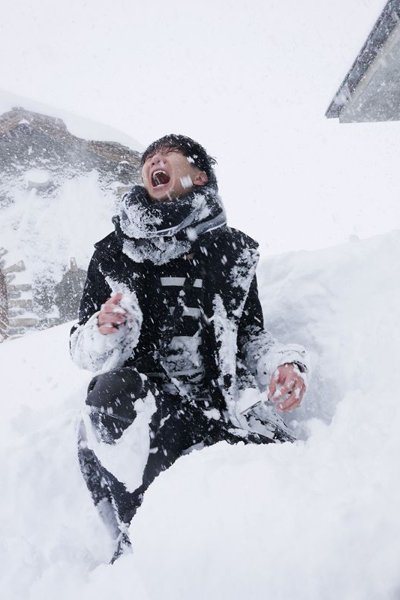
column 159, row 177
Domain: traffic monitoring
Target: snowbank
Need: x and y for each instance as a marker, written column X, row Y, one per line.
column 310, row 520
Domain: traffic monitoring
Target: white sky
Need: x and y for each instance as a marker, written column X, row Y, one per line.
column 250, row 80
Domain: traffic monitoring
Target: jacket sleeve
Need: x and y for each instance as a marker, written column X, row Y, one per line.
column 258, row 349
column 89, row 348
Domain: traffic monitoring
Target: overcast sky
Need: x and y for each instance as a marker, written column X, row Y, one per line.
column 249, row 79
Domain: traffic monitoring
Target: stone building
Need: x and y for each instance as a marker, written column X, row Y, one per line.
column 16, row 300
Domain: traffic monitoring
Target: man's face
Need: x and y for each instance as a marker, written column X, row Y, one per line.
column 168, row 175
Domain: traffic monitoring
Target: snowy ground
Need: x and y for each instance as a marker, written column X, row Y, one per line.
column 45, row 232
column 317, row 519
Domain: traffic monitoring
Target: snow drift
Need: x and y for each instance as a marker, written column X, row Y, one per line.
column 314, row 519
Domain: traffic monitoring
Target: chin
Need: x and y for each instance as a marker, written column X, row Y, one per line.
column 166, row 196
column 157, row 197
column 163, row 198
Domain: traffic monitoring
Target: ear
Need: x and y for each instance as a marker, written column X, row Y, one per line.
column 200, row 178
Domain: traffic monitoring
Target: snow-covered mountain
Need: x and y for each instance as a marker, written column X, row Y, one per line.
column 314, row 519
column 57, row 191
column 79, row 126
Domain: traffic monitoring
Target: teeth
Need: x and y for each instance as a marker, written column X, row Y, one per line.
column 160, row 177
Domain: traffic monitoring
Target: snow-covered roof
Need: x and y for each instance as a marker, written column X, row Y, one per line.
column 371, row 89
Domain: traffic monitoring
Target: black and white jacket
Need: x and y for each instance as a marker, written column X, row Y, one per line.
column 218, row 276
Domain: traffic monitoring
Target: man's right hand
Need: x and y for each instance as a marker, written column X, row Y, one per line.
column 111, row 315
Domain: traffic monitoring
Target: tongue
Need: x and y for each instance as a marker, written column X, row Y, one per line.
column 161, row 178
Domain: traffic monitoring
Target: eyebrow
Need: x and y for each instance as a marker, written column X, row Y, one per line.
column 163, row 149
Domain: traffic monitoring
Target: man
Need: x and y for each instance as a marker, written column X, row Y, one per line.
column 171, row 320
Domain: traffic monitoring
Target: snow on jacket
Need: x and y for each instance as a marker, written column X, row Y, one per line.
column 238, row 352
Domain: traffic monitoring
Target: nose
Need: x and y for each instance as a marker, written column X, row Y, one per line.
column 157, row 158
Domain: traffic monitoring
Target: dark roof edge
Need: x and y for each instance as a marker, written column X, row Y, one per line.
column 380, row 33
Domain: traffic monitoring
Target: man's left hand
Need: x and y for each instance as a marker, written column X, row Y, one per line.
column 287, row 387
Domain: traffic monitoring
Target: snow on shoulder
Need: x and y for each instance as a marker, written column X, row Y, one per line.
column 314, row 519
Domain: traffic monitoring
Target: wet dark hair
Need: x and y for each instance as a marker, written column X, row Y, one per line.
column 193, row 151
